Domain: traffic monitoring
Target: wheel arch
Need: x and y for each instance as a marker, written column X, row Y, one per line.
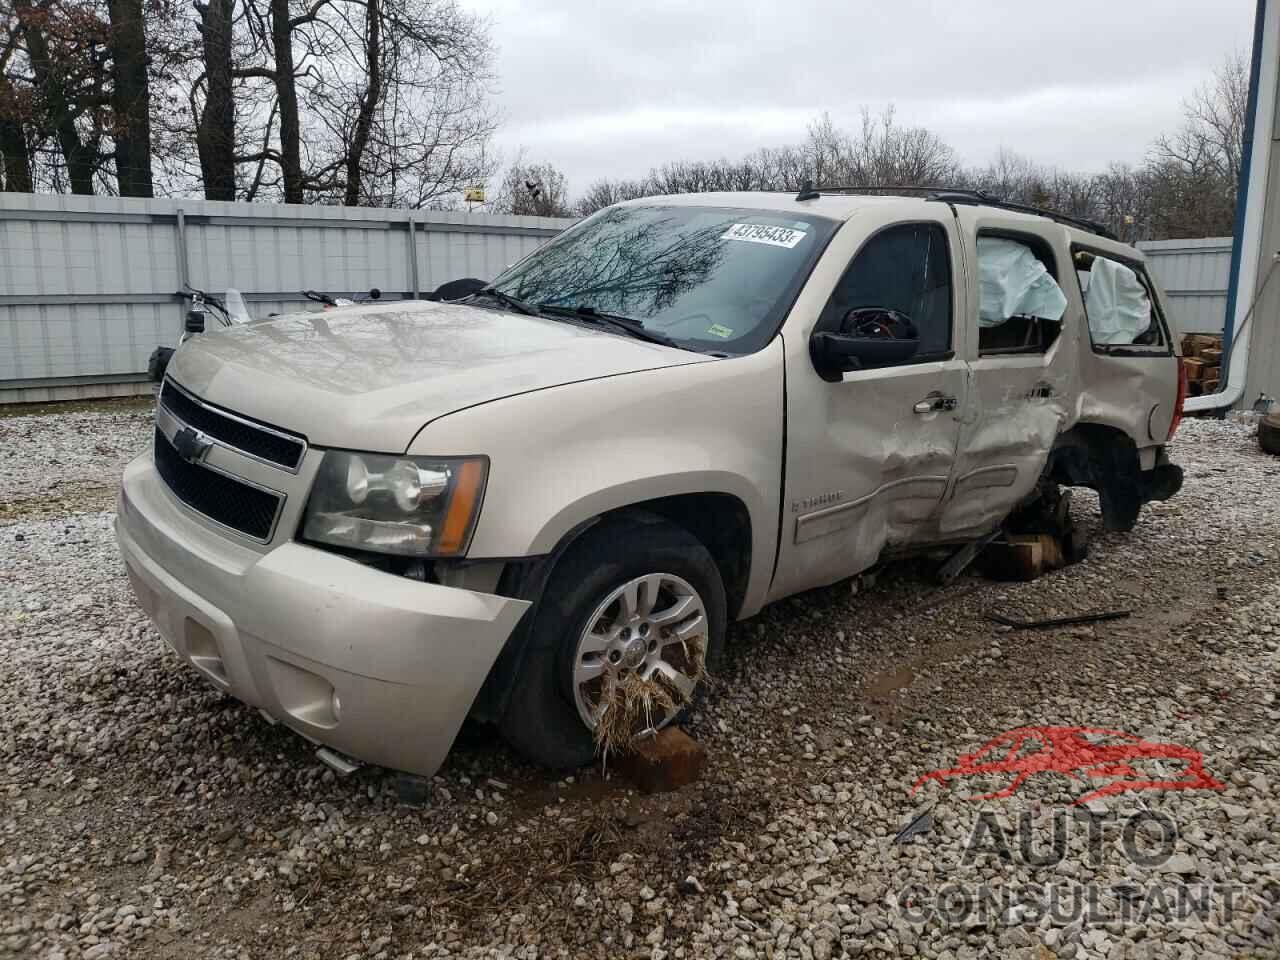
column 1103, row 458
column 719, row 520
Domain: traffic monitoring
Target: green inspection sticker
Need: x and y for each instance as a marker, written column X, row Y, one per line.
column 718, row 330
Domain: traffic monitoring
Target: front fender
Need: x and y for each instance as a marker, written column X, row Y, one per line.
column 563, row 455
column 632, row 492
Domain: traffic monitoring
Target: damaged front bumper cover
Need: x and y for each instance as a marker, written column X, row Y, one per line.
column 375, row 666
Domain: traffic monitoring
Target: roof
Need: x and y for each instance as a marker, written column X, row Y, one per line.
column 842, row 206
column 834, row 206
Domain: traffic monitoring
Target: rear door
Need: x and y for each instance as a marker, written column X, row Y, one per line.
column 869, row 457
column 1128, row 367
column 1024, row 337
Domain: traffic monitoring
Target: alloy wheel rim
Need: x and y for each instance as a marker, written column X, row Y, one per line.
column 645, row 626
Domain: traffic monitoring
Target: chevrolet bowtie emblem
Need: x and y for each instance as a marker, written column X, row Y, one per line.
column 191, row 444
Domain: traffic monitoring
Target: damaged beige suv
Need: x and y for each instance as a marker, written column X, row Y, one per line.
column 372, row 523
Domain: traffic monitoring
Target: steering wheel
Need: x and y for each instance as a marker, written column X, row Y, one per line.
column 880, row 323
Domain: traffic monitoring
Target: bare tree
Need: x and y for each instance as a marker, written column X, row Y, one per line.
column 366, row 102
column 415, row 127
column 130, row 98
column 290, row 159
column 16, row 114
column 1122, row 201
column 1210, row 139
column 215, row 130
column 782, row 168
column 371, row 102
column 533, row 190
column 879, row 152
column 65, row 49
column 1196, row 169
column 605, row 193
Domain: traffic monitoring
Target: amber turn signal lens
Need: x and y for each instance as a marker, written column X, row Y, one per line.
column 462, row 507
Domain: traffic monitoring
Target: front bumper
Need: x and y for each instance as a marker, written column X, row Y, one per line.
column 376, row 666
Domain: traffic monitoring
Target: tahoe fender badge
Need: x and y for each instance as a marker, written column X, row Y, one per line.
column 814, row 502
column 191, row 444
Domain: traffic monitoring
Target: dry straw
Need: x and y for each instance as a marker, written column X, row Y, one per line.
column 632, row 706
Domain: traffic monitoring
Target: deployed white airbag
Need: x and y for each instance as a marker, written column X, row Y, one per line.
column 1117, row 304
column 1014, row 284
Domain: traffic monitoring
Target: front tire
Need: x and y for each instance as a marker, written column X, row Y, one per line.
column 615, row 601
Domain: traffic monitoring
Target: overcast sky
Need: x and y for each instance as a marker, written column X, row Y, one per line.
column 612, row 88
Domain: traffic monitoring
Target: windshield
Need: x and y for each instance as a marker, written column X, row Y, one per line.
column 712, row 278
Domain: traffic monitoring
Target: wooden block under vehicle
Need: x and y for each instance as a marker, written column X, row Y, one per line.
column 1211, row 356
column 1194, row 366
column 1209, row 386
column 1210, row 373
column 663, row 763
column 1194, row 343
column 1022, row 557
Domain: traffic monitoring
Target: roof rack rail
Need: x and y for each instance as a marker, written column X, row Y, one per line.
column 893, row 188
column 977, row 197
column 967, row 195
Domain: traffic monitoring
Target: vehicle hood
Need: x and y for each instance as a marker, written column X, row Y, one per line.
column 371, row 377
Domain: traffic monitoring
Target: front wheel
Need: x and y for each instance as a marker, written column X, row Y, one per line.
column 632, row 619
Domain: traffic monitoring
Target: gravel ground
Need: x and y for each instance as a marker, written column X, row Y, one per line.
column 143, row 814
column 86, row 446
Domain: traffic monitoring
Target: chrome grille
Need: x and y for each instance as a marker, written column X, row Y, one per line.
column 258, row 440
column 224, row 499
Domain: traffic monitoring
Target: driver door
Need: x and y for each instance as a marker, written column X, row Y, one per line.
column 869, row 456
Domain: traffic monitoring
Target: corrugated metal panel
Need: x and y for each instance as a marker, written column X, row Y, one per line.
column 1194, row 276
column 88, row 285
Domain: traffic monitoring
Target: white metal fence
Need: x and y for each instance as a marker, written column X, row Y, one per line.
column 89, row 285
column 1194, row 275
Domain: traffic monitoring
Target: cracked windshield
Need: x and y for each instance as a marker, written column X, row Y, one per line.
column 715, row 279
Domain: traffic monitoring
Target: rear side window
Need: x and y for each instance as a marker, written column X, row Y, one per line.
column 907, row 269
column 1020, row 304
column 1117, row 301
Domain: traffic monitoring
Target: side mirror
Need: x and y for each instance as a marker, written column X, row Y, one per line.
column 457, row 289
column 158, row 363
column 195, row 321
column 835, row 353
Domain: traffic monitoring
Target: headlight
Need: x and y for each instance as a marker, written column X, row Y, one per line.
column 411, row 506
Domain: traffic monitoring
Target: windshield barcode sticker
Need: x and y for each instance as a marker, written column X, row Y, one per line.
column 763, row 233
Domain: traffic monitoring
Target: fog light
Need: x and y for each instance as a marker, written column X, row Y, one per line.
column 337, row 706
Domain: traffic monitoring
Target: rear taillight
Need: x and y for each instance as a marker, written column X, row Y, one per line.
column 1182, row 398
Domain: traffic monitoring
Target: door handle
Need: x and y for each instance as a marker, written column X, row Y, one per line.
column 932, row 403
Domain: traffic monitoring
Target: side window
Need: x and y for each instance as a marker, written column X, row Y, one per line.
column 905, row 269
column 1020, row 303
column 1117, row 301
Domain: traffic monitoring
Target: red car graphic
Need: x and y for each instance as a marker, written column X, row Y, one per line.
column 1077, row 752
